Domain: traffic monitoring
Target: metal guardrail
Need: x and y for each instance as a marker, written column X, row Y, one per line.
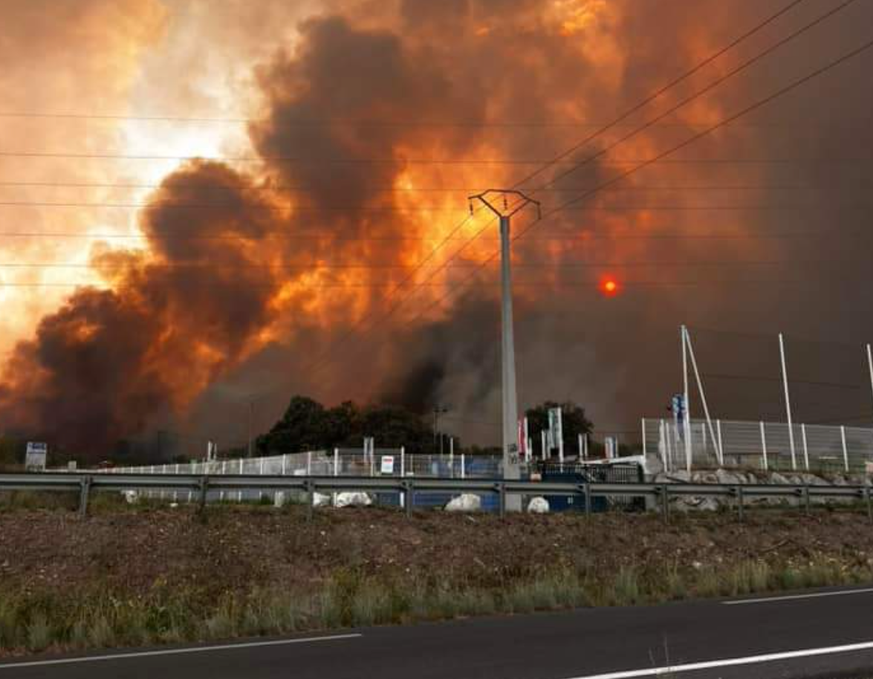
column 661, row 492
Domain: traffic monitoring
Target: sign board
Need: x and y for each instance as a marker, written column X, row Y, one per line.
column 610, row 445
column 556, row 430
column 678, row 405
column 35, row 458
column 386, row 464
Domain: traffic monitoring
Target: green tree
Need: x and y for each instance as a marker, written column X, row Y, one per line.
column 573, row 421
column 303, row 426
column 308, row 425
column 393, row 426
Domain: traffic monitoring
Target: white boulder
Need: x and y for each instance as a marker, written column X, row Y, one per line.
column 353, row 500
column 538, row 505
column 465, row 503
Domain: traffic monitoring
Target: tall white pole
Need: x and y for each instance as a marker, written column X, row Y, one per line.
column 545, row 445
column 805, row 447
column 685, row 398
column 690, row 347
column 787, row 402
column 845, row 448
column 870, row 366
column 510, row 398
column 766, row 462
column 511, row 467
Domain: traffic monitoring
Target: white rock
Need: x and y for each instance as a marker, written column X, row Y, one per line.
column 465, row 503
column 320, row 500
column 353, row 500
column 538, row 505
column 130, row 496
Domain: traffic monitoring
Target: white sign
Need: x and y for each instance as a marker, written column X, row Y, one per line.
column 556, row 431
column 34, row 461
column 387, row 464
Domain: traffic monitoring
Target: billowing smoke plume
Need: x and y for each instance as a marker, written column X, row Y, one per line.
column 275, row 278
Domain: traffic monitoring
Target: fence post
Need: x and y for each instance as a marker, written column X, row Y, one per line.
column 463, row 466
column 720, row 444
column 308, row 463
column 403, row 461
column 805, row 447
column 787, row 401
column 764, row 447
column 223, row 472
column 176, row 492
column 845, row 449
column 84, row 492
column 643, row 427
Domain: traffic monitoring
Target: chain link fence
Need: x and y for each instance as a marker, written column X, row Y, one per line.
column 768, row 446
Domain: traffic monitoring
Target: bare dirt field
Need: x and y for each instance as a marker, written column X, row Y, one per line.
column 181, row 575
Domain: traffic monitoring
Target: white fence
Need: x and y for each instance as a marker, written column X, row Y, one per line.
column 759, row 445
column 339, row 462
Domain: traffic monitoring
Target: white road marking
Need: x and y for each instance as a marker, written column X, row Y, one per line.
column 730, row 662
column 174, row 651
column 790, row 597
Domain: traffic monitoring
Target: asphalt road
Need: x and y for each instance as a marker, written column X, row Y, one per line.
column 826, row 634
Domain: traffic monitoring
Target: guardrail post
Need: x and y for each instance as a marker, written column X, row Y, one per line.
column 586, row 488
column 867, row 490
column 806, row 498
column 740, row 502
column 84, row 492
column 409, row 497
column 501, row 489
column 665, row 502
column 310, row 498
column 204, row 487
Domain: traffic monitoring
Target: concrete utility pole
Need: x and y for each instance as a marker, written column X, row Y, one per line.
column 251, row 426
column 437, row 411
column 511, row 470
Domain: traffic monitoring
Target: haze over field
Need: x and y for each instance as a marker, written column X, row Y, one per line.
column 265, row 175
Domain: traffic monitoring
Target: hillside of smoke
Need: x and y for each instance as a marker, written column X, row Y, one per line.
column 109, row 360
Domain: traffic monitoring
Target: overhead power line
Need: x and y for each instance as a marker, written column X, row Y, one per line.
column 396, row 209
column 659, row 157
column 313, row 160
column 328, row 121
column 587, row 140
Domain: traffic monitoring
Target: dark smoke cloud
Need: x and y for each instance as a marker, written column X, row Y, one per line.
column 110, row 360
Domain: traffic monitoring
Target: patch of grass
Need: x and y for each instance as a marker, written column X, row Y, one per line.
column 351, row 597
